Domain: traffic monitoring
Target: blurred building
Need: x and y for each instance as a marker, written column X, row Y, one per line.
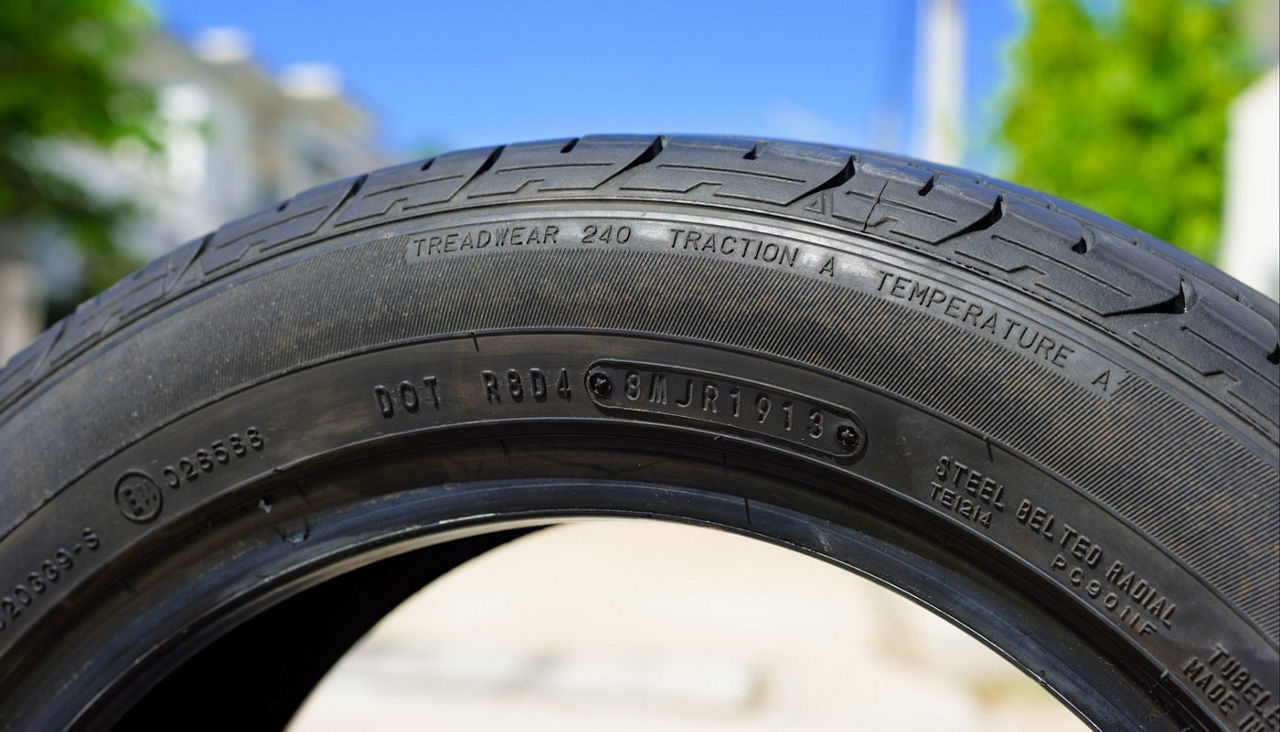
column 1250, row 224
column 236, row 139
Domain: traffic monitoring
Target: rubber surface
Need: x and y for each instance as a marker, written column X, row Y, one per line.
column 1112, row 363
column 1097, row 268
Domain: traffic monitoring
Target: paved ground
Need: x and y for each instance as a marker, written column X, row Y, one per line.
column 645, row 626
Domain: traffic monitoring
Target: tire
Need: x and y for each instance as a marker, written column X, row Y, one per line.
column 1049, row 427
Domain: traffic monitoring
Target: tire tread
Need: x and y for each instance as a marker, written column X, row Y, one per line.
column 1172, row 307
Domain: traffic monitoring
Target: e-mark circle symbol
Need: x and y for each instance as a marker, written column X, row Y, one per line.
column 138, row 497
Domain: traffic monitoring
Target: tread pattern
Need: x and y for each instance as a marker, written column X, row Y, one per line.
column 1166, row 303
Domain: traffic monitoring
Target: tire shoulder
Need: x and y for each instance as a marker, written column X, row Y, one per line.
column 1161, row 300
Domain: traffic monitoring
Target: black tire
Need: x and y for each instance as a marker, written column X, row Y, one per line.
column 1045, row 425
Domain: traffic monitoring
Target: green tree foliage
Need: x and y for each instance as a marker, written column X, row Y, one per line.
column 61, row 79
column 1125, row 111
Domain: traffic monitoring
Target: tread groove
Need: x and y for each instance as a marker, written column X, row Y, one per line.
column 646, row 156
column 487, row 164
column 356, row 185
column 1179, row 304
column 840, row 178
column 992, row 218
column 928, row 185
column 200, row 249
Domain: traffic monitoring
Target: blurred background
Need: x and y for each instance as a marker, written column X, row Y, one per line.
column 629, row 625
column 130, row 126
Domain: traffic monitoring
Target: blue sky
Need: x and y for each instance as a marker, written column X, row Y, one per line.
column 450, row 75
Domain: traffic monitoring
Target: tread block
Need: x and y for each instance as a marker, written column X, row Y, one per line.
column 589, row 162
column 110, row 308
column 1104, row 278
column 298, row 217
column 143, row 290
column 857, row 198
column 776, row 174
column 25, row 365
column 420, row 183
column 1215, row 337
column 924, row 206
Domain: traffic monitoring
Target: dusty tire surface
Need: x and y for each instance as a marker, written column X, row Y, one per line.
column 1055, row 429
